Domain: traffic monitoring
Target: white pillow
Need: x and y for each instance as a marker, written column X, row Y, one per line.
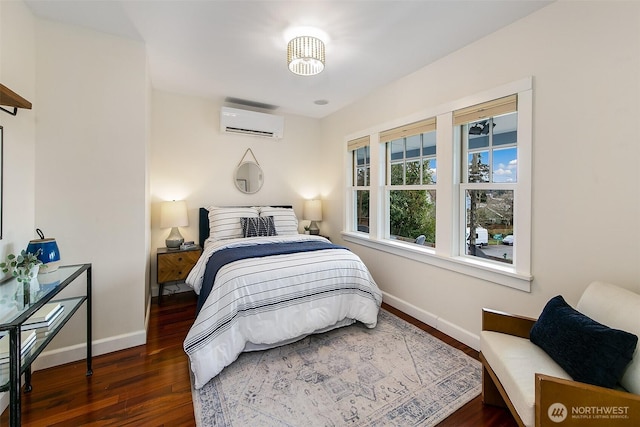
column 284, row 218
column 224, row 223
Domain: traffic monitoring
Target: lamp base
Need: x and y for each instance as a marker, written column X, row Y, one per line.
column 174, row 239
column 313, row 228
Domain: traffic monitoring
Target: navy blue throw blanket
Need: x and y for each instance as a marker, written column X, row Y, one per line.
column 225, row 256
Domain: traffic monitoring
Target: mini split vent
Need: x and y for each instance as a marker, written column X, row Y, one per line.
column 234, row 120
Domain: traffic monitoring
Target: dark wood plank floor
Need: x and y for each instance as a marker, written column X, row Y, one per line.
column 149, row 385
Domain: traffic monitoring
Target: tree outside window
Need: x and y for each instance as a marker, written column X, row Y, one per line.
column 412, row 194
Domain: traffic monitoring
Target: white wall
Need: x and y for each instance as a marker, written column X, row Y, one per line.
column 192, row 160
column 76, row 166
column 585, row 61
column 17, row 72
column 91, row 192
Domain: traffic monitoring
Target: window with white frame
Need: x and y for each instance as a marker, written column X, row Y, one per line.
column 360, row 182
column 411, row 175
column 488, row 135
column 482, row 174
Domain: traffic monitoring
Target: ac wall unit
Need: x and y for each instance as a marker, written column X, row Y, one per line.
column 234, row 120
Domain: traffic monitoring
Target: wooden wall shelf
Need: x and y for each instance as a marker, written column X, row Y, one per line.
column 12, row 99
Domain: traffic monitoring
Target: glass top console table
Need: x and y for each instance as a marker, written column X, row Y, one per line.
column 18, row 303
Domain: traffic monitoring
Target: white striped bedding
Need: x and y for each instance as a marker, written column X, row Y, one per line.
column 264, row 302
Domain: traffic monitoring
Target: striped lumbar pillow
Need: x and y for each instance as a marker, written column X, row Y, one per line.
column 256, row 227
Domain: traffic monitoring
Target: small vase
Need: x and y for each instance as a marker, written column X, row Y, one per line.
column 28, row 284
column 33, row 275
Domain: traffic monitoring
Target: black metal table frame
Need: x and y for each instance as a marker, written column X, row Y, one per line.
column 15, row 361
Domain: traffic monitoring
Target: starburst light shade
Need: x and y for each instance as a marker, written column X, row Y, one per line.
column 305, row 56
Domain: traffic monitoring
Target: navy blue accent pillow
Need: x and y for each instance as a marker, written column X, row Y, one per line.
column 589, row 351
column 258, row 226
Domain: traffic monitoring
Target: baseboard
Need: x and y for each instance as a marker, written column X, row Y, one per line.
column 77, row 352
column 458, row 333
column 411, row 310
column 434, row 321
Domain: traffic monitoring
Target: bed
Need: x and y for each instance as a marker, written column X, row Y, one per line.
column 261, row 284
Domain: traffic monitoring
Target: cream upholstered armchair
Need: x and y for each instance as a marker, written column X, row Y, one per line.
column 526, row 379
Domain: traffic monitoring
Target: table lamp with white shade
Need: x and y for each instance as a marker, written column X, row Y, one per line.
column 313, row 213
column 173, row 215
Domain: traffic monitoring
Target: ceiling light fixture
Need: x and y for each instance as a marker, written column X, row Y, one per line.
column 305, row 55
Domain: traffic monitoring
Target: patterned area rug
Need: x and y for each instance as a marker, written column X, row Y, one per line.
column 392, row 375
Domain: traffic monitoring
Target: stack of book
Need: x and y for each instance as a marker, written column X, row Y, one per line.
column 44, row 317
column 28, row 338
column 37, row 325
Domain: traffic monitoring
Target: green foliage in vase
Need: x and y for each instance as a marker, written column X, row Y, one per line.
column 21, row 266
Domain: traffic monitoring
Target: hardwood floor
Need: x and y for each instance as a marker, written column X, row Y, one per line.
column 149, row 385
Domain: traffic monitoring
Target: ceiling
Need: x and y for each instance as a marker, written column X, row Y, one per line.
column 237, row 49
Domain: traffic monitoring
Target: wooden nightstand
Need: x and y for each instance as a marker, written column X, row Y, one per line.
column 174, row 265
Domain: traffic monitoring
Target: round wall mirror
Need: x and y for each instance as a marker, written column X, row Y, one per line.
column 248, row 177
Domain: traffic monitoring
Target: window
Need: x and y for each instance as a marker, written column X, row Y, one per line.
column 489, row 139
column 410, row 182
column 478, row 163
column 360, row 181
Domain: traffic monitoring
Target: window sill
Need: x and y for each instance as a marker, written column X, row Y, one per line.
column 502, row 275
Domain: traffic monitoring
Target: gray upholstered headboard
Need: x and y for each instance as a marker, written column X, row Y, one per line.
column 203, row 223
